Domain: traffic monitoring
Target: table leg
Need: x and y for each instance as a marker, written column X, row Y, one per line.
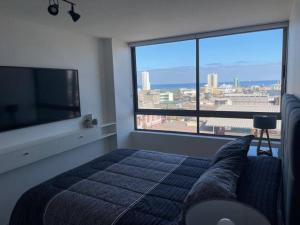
column 269, row 143
column 259, row 142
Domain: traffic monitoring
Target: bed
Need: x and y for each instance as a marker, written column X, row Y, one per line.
column 137, row 187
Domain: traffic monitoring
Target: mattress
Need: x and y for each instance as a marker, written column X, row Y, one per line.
column 137, row 187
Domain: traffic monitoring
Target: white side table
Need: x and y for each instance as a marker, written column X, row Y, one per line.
column 220, row 212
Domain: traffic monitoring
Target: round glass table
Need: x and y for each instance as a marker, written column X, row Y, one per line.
column 221, row 212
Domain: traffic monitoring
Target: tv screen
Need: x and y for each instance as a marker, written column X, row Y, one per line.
column 31, row 96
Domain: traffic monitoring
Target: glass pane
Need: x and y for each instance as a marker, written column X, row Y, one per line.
column 167, row 123
column 241, row 72
column 233, row 127
column 166, row 75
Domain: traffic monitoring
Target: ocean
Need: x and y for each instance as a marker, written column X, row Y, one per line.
column 193, row 85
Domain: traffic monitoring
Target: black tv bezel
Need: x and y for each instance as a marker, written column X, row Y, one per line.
column 37, row 124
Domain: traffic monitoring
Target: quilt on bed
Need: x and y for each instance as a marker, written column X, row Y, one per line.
column 136, row 187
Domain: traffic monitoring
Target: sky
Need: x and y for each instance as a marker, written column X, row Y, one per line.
column 249, row 56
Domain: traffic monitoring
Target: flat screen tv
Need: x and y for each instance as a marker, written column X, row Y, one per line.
column 32, row 96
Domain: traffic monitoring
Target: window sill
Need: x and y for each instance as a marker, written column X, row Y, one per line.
column 275, row 143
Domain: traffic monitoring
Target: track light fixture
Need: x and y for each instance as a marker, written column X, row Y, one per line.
column 53, row 9
column 75, row 16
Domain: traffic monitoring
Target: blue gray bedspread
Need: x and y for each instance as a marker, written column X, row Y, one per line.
column 135, row 187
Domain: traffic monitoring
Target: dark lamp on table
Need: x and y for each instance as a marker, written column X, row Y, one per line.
column 264, row 123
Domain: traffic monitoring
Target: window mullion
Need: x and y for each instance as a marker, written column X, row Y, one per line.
column 197, row 84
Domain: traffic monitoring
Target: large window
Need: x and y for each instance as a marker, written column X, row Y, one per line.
column 212, row 84
column 164, row 71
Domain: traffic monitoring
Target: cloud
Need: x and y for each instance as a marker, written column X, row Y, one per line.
column 214, row 64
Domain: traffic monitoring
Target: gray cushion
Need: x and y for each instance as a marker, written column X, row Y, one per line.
column 215, row 183
column 220, row 180
column 235, row 149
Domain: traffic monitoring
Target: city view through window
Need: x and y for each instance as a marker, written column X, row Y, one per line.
column 237, row 73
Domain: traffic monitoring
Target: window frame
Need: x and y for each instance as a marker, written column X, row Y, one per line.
column 198, row 112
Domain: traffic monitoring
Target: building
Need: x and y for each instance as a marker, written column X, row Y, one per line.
column 166, row 97
column 248, row 99
column 277, row 86
column 236, row 82
column 148, row 121
column 212, row 83
column 222, row 101
column 149, row 98
column 212, row 80
column 146, row 81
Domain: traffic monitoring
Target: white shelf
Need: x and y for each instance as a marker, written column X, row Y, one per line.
column 20, row 155
column 107, row 125
column 108, row 135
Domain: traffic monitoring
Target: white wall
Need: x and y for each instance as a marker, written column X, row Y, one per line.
column 196, row 146
column 123, row 92
column 293, row 78
column 27, row 44
column 107, row 81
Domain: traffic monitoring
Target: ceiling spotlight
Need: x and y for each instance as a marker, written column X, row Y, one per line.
column 75, row 16
column 53, row 8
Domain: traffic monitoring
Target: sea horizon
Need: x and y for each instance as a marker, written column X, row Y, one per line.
column 193, row 85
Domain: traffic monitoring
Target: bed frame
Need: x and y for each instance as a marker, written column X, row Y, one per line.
column 290, row 156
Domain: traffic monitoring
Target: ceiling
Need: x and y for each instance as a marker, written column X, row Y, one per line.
column 133, row 20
